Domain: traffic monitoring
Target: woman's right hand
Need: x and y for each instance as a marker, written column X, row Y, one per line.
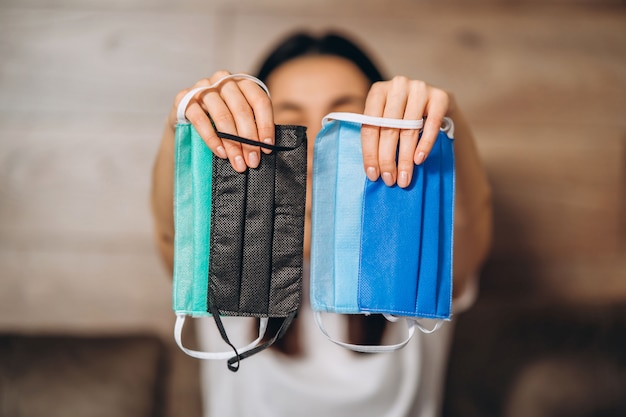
column 237, row 106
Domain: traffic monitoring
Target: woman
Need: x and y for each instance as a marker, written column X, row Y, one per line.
column 304, row 374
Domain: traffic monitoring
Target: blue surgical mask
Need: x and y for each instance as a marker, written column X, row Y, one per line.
column 377, row 249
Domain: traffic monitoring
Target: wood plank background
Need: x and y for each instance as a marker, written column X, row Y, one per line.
column 84, row 89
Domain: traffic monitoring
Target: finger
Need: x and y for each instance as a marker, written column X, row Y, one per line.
column 217, row 76
column 243, row 116
column 395, row 106
column 436, row 109
column 223, row 119
column 408, row 143
column 261, row 106
column 173, row 119
column 414, row 110
column 369, row 144
column 225, row 122
column 200, row 120
column 370, row 135
column 205, row 82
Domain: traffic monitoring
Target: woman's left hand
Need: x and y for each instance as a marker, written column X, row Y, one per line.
column 401, row 98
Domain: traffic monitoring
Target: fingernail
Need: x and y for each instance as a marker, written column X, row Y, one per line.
column 371, row 173
column 420, row 158
column 240, row 164
column 221, row 152
column 387, row 178
column 267, row 141
column 254, row 159
column 403, row 179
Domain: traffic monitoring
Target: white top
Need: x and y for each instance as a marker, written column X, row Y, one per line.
column 328, row 380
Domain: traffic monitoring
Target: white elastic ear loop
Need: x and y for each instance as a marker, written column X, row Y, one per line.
column 182, row 106
column 364, row 348
column 423, row 329
column 447, row 125
column 178, row 331
column 374, row 121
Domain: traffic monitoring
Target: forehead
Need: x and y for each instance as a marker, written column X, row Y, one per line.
column 316, row 79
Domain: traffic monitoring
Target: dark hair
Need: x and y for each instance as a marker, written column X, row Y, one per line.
column 303, row 44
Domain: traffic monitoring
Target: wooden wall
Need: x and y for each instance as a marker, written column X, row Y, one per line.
column 84, row 89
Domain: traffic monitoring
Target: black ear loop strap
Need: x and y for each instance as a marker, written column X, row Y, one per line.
column 218, row 321
column 280, row 333
column 234, row 362
column 277, row 148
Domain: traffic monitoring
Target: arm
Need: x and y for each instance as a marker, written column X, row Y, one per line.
column 473, row 211
column 162, row 197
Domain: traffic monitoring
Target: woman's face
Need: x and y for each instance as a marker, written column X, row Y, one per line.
column 306, row 89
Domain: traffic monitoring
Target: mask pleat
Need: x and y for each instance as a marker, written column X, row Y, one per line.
column 227, row 232
column 429, row 259
column 257, row 253
column 285, row 290
column 444, row 291
column 324, row 218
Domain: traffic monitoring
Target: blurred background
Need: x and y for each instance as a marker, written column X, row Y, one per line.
column 85, row 311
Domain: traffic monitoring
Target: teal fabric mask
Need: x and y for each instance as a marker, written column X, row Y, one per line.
column 238, row 246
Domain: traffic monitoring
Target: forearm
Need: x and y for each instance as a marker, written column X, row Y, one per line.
column 162, row 197
column 473, row 211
